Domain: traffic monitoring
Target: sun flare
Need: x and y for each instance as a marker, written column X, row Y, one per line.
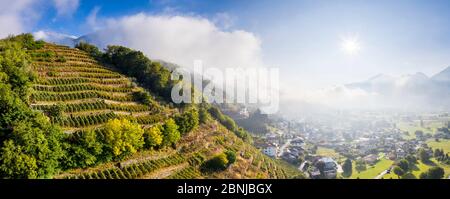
column 351, row 46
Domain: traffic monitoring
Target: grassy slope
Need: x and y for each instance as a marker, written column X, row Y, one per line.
column 372, row 171
column 327, row 152
column 206, row 141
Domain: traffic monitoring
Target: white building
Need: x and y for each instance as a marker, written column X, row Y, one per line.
column 270, row 150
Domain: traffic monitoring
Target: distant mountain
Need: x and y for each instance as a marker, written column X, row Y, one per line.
column 382, row 83
column 416, row 90
column 68, row 40
column 92, row 39
column 57, row 38
column 443, row 76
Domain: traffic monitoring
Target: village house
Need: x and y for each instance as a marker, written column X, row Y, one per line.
column 269, row 149
column 329, row 168
column 371, row 159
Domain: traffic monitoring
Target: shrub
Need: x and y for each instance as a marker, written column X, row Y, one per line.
column 231, row 156
column 187, row 121
column 170, row 133
column 217, row 163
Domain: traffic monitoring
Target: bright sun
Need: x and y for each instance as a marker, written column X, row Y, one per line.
column 351, row 46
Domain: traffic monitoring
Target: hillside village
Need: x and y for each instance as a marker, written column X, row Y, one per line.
column 366, row 142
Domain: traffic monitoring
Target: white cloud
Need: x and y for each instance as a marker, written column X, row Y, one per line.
column 337, row 96
column 66, row 7
column 19, row 16
column 91, row 20
column 55, row 37
column 181, row 40
column 15, row 16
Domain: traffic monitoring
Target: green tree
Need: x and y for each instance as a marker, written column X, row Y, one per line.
column 218, row 162
column 84, row 150
column 360, row 165
column 187, row 121
column 143, row 97
column 28, row 133
column 398, row 171
column 411, row 159
column 27, row 41
column 433, row 173
column 216, row 113
column 423, row 155
column 15, row 163
column 423, row 175
column 231, row 156
column 170, row 133
column 14, row 63
column 153, row 137
column 438, row 153
column 436, row 173
column 90, row 49
column 404, row 165
column 347, row 167
column 56, row 111
column 203, row 115
column 229, row 124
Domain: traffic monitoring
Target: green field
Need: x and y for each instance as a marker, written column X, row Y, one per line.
column 372, row 171
column 421, row 167
column 412, row 127
column 327, row 152
column 442, row 144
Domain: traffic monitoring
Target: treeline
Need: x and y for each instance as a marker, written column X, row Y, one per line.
column 229, row 123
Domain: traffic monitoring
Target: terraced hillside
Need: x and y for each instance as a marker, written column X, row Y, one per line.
column 80, row 94
column 91, row 93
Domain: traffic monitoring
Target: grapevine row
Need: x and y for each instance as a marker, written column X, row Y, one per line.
column 51, row 96
column 57, row 65
column 88, row 75
column 59, row 81
column 186, row 173
column 75, row 69
column 99, row 105
column 133, row 171
column 85, row 120
column 81, row 87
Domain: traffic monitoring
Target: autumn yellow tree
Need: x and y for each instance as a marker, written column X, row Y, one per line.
column 123, row 137
column 153, row 137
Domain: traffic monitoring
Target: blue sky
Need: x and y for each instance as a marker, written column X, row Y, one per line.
column 303, row 38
